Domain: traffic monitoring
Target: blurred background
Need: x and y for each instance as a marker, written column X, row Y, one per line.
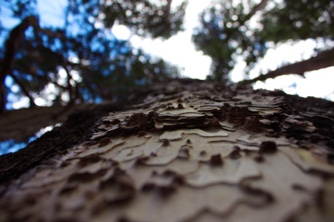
column 67, row 52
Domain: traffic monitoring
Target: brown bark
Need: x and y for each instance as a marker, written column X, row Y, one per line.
column 322, row 60
column 23, row 123
column 188, row 151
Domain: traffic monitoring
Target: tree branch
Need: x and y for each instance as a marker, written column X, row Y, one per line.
column 255, row 9
column 322, row 60
column 24, row 89
column 12, row 44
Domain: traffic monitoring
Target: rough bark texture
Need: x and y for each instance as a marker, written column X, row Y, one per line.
column 190, row 151
column 21, row 123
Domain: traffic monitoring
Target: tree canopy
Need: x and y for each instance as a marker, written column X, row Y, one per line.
column 81, row 60
column 232, row 29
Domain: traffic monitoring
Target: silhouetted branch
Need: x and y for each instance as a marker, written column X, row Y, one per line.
column 322, row 60
column 255, row 9
column 24, row 89
column 12, row 44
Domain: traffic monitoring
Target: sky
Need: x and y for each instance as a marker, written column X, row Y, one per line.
column 179, row 50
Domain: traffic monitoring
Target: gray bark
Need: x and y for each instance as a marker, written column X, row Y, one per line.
column 189, row 151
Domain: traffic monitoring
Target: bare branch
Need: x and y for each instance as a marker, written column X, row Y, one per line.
column 255, row 9
column 12, row 44
column 24, row 89
column 322, row 60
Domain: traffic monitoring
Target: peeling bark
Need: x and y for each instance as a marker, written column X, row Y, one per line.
column 189, row 151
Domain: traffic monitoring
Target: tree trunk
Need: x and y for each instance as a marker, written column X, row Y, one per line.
column 187, row 151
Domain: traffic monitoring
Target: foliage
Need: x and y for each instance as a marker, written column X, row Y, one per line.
column 299, row 20
column 146, row 17
column 227, row 31
column 82, row 60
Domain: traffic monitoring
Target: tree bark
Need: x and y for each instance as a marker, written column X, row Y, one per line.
column 187, row 151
